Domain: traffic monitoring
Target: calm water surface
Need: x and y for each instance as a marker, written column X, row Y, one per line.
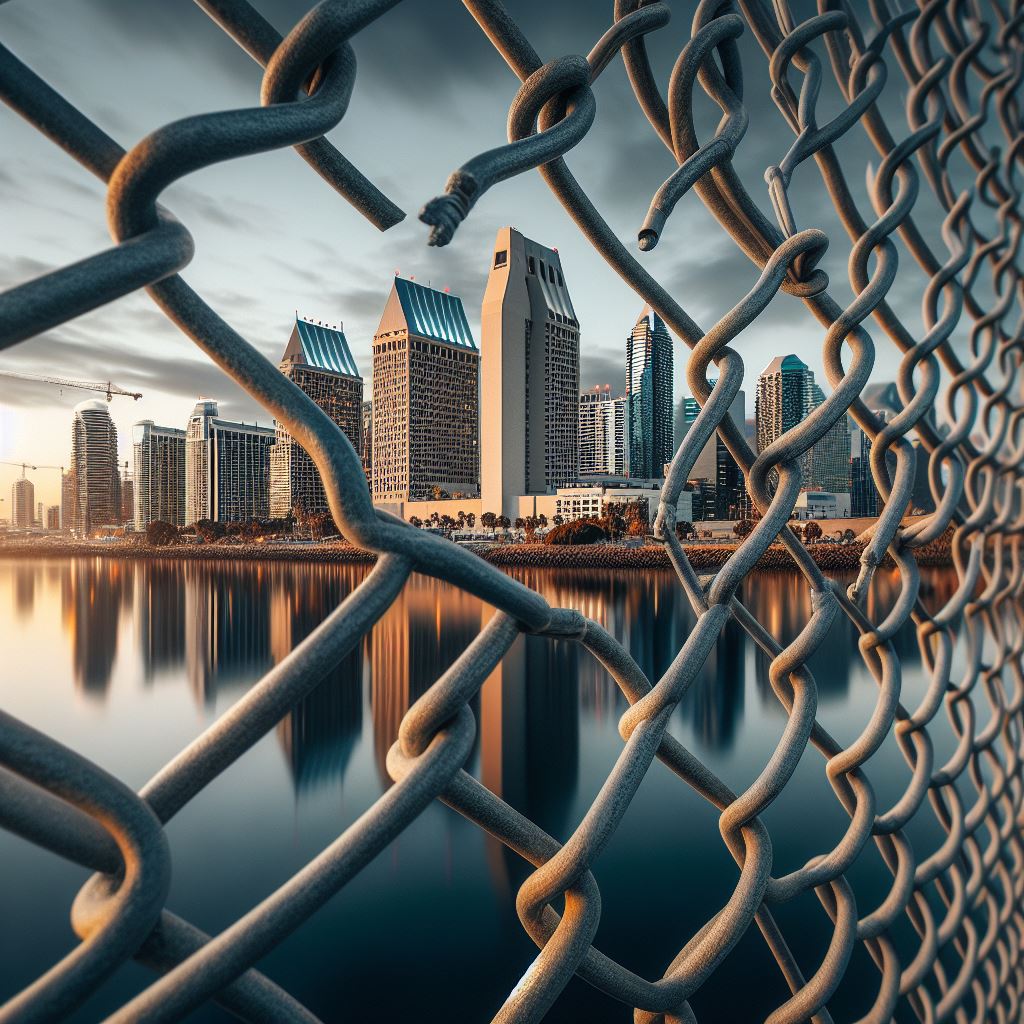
column 127, row 662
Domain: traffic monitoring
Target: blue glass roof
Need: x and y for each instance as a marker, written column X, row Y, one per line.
column 322, row 347
column 433, row 314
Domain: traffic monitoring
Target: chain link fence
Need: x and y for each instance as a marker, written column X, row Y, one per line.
column 959, row 64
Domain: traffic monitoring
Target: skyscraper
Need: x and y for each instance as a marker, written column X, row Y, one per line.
column 649, row 391
column 786, row 394
column 723, row 486
column 127, row 514
column 159, row 459
column 530, row 386
column 23, row 497
column 68, row 498
column 827, row 464
column 227, row 468
column 864, row 497
column 318, row 360
column 602, row 433
column 782, row 401
column 366, row 448
column 97, row 498
column 426, row 371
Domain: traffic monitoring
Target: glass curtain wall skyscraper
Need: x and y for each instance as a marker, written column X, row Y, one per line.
column 649, row 394
column 723, row 487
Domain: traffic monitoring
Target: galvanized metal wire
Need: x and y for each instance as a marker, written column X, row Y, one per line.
column 962, row 62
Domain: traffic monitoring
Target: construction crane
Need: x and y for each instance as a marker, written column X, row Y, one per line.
column 106, row 388
column 25, row 466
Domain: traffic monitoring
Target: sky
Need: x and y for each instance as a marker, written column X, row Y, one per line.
column 272, row 238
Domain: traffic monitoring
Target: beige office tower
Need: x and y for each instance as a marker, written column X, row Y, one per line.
column 426, row 381
column 23, row 496
column 530, row 388
column 317, row 358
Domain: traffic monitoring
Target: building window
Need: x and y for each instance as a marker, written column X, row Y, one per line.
column 551, row 274
column 531, row 264
column 501, row 258
column 560, row 281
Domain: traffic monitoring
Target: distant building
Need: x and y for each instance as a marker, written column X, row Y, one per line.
column 127, row 496
column 884, row 399
column 97, row 497
column 40, row 519
column 649, row 392
column 783, row 398
column 68, row 498
column 366, row 448
column 586, row 501
column 827, row 464
column 425, row 397
column 822, row 505
column 227, row 468
column 724, row 494
column 786, row 395
column 603, row 445
column 23, row 497
column 318, row 360
column 159, row 460
column 530, row 375
column 53, row 517
column 864, row 497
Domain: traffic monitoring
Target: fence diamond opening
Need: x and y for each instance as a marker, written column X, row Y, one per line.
column 959, row 64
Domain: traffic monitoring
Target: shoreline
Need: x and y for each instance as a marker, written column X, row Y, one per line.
column 829, row 557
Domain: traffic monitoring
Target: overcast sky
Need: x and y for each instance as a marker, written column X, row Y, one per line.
column 272, row 237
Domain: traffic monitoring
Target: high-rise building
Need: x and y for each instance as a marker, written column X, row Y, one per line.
column 864, row 497
column 366, row 449
column 530, row 375
column 127, row 495
column 603, row 447
column 97, row 498
column 68, row 498
column 786, row 394
column 227, row 468
column 53, row 517
column 782, row 401
column 23, row 497
column 40, row 519
column 159, row 460
column 884, row 399
column 317, row 358
column 720, row 479
column 426, row 370
column 827, row 464
column 649, row 391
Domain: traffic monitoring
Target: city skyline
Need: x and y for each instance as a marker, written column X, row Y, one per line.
column 288, row 235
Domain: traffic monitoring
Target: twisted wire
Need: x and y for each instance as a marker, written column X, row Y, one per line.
column 962, row 61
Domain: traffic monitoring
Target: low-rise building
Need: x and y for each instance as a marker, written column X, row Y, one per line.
column 822, row 505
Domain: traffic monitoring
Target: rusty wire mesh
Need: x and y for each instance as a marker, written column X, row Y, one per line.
column 961, row 62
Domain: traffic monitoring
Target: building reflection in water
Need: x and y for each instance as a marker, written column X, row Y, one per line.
column 319, row 734
column 93, row 593
column 160, row 617
column 225, row 624
column 24, row 583
column 227, row 620
column 423, row 632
